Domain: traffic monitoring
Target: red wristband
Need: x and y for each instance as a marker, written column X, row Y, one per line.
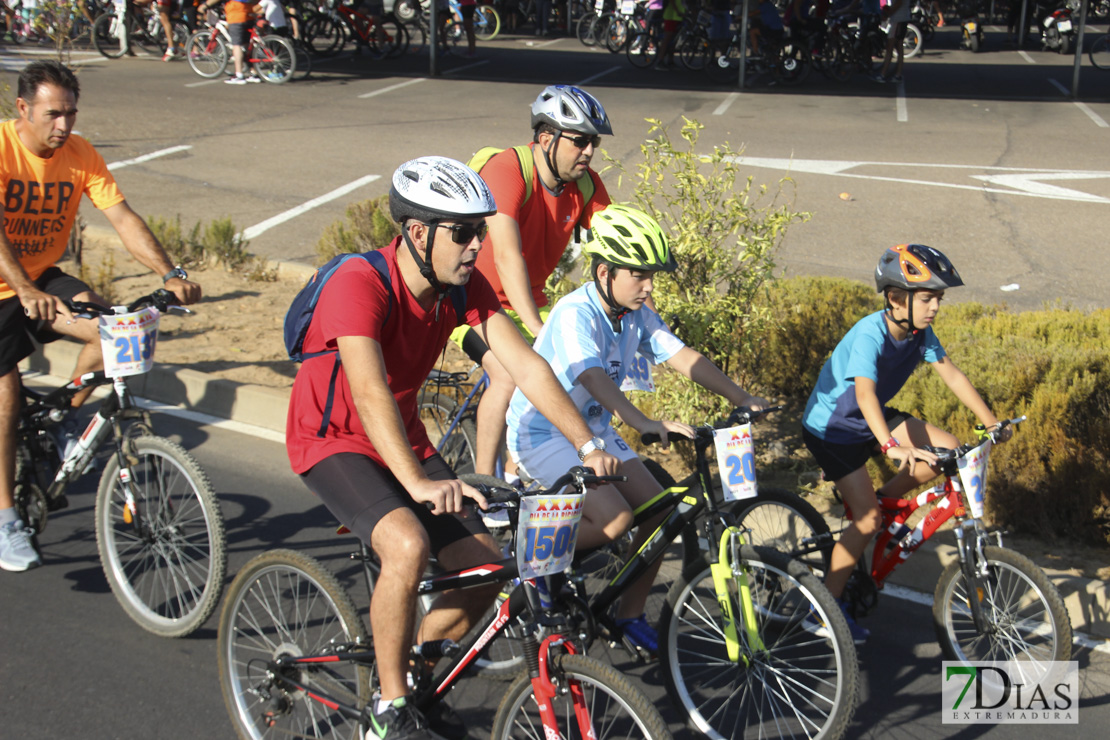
column 892, row 442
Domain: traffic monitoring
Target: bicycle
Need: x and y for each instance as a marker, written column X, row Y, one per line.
column 735, row 644
column 114, row 38
column 448, row 404
column 1016, row 613
column 1100, row 53
column 159, row 529
column 788, row 61
column 294, row 656
column 487, row 23
column 330, row 31
column 208, row 51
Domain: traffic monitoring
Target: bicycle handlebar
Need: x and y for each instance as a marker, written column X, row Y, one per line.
column 580, row 477
column 945, row 454
column 161, row 299
column 741, row 415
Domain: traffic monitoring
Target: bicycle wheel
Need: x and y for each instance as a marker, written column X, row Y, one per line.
column 1100, row 53
column 166, row 559
column 911, row 44
column 147, row 33
column 303, row 67
column 693, row 51
column 487, row 23
column 437, row 412
column 106, row 36
column 394, row 42
column 642, row 49
column 207, row 54
column 782, row 520
column 274, row 59
column 722, row 65
column 1027, row 617
column 284, row 603
column 793, row 64
column 586, row 28
column 802, row 680
column 618, row 708
column 620, row 31
column 324, row 35
column 418, row 38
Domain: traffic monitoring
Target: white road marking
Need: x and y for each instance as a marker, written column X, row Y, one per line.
column 391, row 88
column 728, row 101
column 253, row 231
column 1025, row 55
column 541, row 44
column 1023, row 180
column 1099, row 121
column 465, row 67
column 900, row 103
column 203, row 82
column 598, row 76
column 148, row 157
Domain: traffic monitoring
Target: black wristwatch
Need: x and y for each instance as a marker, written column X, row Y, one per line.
column 176, row 272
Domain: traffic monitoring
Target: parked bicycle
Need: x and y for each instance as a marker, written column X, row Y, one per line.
column 1100, row 53
column 295, row 659
column 159, row 529
column 115, row 35
column 272, row 57
column 991, row 604
column 338, row 24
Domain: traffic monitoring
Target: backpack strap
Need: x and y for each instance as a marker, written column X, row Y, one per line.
column 527, row 165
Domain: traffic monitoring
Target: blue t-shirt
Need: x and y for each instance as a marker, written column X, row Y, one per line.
column 578, row 335
column 866, row 351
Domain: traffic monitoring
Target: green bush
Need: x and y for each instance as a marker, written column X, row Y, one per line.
column 810, row 317
column 366, row 227
column 217, row 242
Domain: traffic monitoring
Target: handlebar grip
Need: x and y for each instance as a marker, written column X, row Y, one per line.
column 650, row 438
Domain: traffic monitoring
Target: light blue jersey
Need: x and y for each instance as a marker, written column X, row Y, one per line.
column 578, row 335
column 866, row 351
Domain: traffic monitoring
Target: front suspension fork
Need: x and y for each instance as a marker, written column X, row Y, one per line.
column 970, row 544
column 728, row 568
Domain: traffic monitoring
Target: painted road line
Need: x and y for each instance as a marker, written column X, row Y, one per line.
column 148, row 157
column 1027, row 181
column 253, row 231
column 729, row 100
column 598, row 76
column 391, row 88
column 466, row 67
column 900, row 103
column 204, row 82
column 1099, row 121
column 1026, row 57
column 541, row 44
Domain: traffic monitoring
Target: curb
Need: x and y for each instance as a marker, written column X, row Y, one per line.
column 1087, row 599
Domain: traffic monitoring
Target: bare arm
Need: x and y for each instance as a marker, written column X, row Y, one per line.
column 381, row 419
column 142, row 245
column 958, row 383
column 36, row 304
column 695, row 366
column 508, row 257
column 872, row 410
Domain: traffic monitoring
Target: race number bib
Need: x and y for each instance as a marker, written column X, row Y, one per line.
column 736, row 461
column 546, row 533
column 127, row 341
column 639, row 376
column 973, row 474
column 628, row 7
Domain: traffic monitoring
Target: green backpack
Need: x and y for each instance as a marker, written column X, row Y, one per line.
column 527, row 164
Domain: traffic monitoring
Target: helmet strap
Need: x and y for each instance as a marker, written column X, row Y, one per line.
column 615, row 310
column 425, row 263
column 549, row 158
column 906, row 322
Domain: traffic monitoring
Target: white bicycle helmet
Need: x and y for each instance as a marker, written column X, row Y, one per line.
column 433, row 188
column 570, row 108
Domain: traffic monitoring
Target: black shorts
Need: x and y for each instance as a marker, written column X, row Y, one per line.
column 467, row 11
column 239, row 34
column 359, row 492
column 837, row 460
column 16, row 330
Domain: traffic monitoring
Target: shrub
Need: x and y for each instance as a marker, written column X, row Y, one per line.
column 216, row 243
column 183, row 250
column 102, row 278
column 367, row 226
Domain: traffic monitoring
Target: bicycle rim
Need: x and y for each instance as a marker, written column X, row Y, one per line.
column 275, row 60
column 1100, row 53
column 207, row 56
column 437, row 412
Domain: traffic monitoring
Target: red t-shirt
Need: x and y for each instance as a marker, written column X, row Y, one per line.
column 354, row 303
column 546, row 222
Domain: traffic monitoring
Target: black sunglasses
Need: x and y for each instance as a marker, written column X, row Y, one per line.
column 582, row 141
column 465, row 233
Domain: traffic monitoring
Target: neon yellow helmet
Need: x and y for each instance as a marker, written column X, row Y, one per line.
column 629, row 238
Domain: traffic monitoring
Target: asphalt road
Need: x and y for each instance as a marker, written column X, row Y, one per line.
column 980, row 155
column 72, row 665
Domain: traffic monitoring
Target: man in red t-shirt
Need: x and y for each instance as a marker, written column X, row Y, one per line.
column 529, row 235
column 370, row 461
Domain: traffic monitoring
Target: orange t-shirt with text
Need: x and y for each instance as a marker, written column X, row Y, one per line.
column 546, row 222
column 41, row 197
column 237, row 12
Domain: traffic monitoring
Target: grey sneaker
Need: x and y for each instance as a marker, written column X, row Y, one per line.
column 17, row 552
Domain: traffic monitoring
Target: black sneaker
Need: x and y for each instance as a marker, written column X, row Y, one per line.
column 446, row 722
column 400, row 721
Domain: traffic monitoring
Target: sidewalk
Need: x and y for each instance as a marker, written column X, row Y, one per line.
column 1087, row 599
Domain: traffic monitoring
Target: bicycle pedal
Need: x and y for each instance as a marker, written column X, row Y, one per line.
column 58, row 503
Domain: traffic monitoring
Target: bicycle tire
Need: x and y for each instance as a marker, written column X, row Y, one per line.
column 722, row 65
column 168, row 577
column 147, row 33
column 324, row 35
column 283, row 602
column 303, row 67
column 104, row 37
column 274, row 59
column 793, row 65
column 584, row 30
column 811, row 674
column 492, row 26
column 1100, row 53
column 912, row 43
column 693, row 51
column 642, row 50
column 781, row 520
column 1021, row 602
column 418, row 38
column 437, row 410
column 609, row 695
column 618, row 35
column 207, row 54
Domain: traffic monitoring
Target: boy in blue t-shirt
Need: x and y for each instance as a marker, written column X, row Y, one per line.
column 846, row 420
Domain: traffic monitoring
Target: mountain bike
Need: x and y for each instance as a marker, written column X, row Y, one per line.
column 448, row 404
column 739, row 655
column 113, row 37
column 992, row 603
column 295, row 659
column 208, row 51
column 338, row 24
column 159, row 529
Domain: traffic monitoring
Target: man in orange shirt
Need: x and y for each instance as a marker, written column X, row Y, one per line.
column 529, row 234
column 44, row 169
column 238, row 15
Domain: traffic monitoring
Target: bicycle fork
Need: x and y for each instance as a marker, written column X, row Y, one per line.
column 544, row 690
column 726, row 569
column 970, row 541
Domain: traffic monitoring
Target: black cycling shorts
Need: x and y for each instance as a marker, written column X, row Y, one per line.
column 16, row 330
column 837, row 460
column 360, row 492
